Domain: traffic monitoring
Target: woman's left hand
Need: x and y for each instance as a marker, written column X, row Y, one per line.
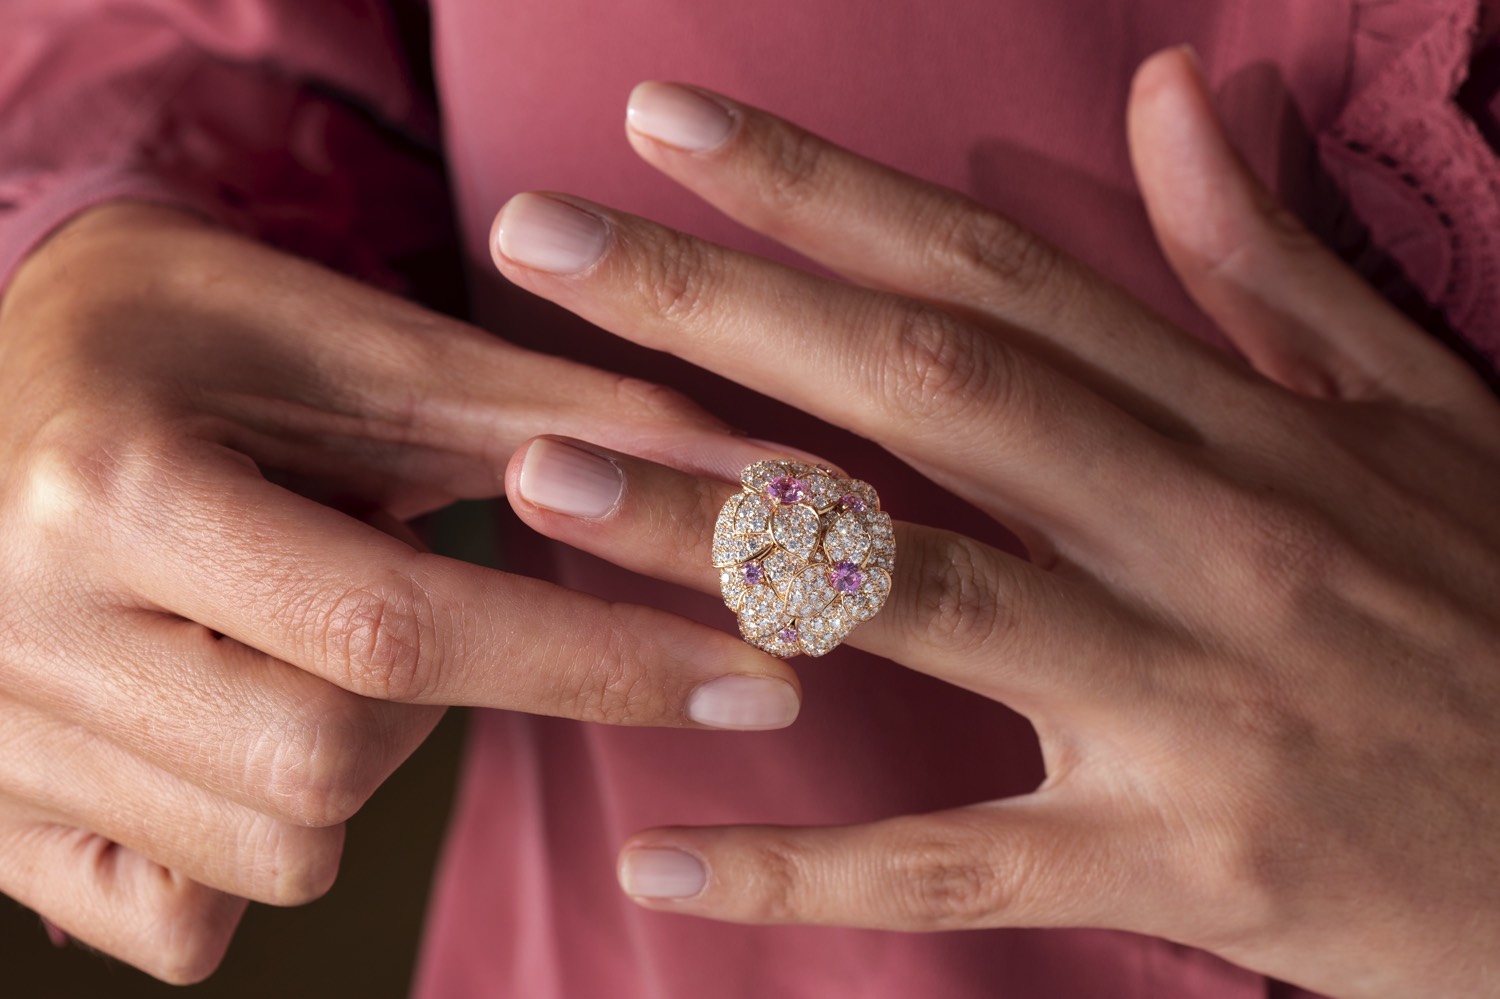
column 1257, row 634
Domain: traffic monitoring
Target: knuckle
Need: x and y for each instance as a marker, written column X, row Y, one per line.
column 612, row 686
column 938, row 370
column 313, row 775
column 985, row 250
column 290, row 865
column 958, row 605
column 190, row 927
column 773, row 894
column 676, row 278
column 651, row 400
column 940, row 884
column 186, row 958
column 73, row 470
column 380, row 640
column 1288, row 553
column 795, row 159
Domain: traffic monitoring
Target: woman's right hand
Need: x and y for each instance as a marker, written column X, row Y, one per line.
column 205, row 668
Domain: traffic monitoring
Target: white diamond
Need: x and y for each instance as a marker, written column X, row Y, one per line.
column 864, row 491
column 760, row 612
column 756, row 476
column 796, row 529
column 866, row 602
column 809, row 593
column 753, row 515
column 882, row 541
column 780, row 567
column 724, row 526
column 774, row 644
column 847, row 540
column 822, row 491
column 741, row 549
column 732, row 585
column 820, row 634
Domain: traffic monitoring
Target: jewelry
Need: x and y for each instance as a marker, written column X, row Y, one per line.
column 803, row 556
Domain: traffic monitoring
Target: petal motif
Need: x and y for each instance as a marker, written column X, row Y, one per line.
column 882, row 541
column 865, row 602
column 822, row 633
column 760, row 612
column 795, row 528
column 809, row 593
column 847, row 539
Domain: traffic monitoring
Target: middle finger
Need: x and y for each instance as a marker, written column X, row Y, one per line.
column 981, row 417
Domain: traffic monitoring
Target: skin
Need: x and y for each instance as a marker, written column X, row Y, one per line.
column 216, row 638
column 1257, row 633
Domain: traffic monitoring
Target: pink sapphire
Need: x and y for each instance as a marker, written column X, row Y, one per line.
column 788, row 635
column 752, row 572
column 846, row 577
column 786, row 489
column 852, row 503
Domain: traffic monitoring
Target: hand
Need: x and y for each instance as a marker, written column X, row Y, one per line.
column 1257, row 632
column 204, row 673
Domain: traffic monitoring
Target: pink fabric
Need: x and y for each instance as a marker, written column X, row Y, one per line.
column 224, row 108
column 250, row 110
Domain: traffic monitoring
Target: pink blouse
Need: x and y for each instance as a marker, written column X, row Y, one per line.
column 294, row 120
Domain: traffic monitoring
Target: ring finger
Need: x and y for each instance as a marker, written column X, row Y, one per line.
column 209, row 839
column 958, row 609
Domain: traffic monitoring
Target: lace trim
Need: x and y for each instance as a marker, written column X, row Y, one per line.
column 1422, row 177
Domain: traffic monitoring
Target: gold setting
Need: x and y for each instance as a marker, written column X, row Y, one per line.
column 804, row 555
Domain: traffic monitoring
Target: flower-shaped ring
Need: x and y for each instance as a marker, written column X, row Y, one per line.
column 803, row 556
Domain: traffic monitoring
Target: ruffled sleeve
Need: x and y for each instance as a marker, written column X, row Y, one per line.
column 241, row 110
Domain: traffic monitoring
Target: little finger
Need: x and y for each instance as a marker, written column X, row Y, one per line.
column 178, row 825
column 1013, row 863
column 115, row 899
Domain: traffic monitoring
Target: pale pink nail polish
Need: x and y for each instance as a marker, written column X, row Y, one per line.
column 570, row 480
column 744, row 702
column 678, row 116
column 549, row 235
column 55, row 935
column 657, row 872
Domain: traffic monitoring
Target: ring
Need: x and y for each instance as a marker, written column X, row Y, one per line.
column 803, row 556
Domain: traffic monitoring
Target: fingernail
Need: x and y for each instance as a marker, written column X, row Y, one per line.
column 678, row 116
column 549, row 235
column 570, row 480
column 655, row 872
column 57, row 936
column 744, row 702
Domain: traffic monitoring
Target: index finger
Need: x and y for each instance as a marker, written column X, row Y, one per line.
column 333, row 596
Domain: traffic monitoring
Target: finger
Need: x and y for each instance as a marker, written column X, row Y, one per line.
column 203, row 836
column 886, row 229
column 383, row 384
column 1302, row 317
column 227, row 718
column 975, row 414
column 310, row 586
column 116, row 900
column 957, row 609
column 453, row 442
column 1013, row 863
